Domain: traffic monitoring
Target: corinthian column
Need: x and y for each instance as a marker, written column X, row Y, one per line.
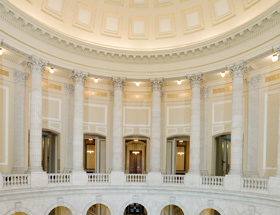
column 237, row 120
column 204, row 128
column 155, row 146
column 253, row 126
column 37, row 68
column 20, row 78
column 277, row 174
column 117, row 152
column 195, row 81
column 79, row 81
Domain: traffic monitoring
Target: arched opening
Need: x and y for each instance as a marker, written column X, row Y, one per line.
column 209, row 211
column 136, row 155
column 98, row 209
column 135, row 208
column 19, row 213
column 171, row 210
column 94, row 153
column 177, row 155
column 222, row 154
column 61, row 210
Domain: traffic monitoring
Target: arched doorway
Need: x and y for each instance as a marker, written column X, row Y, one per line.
column 209, row 211
column 98, row 209
column 177, row 155
column 222, row 154
column 60, row 211
column 136, row 155
column 135, row 208
column 94, row 153
column 171, row 210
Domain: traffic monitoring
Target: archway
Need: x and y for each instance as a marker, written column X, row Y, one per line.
column 136, row 154
column 172, row 210
column 94, row 153
column 98, row 209
column 61, row 210
column 222, row 154
column 177, row 155
column 209, row 211
column 135, row 208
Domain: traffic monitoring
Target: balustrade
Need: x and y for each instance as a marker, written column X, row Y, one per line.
column 136, row 178
column 212, row 181
column 255, row 184
column 16, row 181
column 173, row 179
column 59, row 178
column 98, row 178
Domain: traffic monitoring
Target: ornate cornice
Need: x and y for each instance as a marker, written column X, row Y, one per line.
column 79, row 77
column 36, row 64
column 237, row 70
column 156, row 84
column 241, row 34
column 195, row 80
column 254, row 82
column 20, row 76
column 118, row 83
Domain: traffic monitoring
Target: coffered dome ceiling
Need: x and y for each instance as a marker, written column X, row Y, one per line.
column 143, row 25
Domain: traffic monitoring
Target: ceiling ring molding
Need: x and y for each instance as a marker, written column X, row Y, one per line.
column 266, row 21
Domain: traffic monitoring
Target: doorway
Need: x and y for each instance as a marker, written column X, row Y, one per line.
column 135, row 208
column 50, row 161
column 94, row 154
column 135, row 162
column 223, row 153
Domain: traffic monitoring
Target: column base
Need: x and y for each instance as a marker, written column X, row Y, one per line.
column 18, row 170
column 274, row 186
column 1, row 181
column 79, row 178
column 38, row 179
column 67, row 170
column 233, row 182
column 154, row 178
column 204, row 173
column 192, row 180
column 117, row 178
column 251, row 174
column 35, row 170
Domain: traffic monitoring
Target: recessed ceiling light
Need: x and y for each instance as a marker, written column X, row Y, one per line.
column 275, row 57
column 1, row 51
column 51, row 70
column 95, row 80
column 179, row 82
column 223, row 74
column 137, row 84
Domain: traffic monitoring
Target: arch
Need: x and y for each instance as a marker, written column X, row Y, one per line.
column 95, row 134
column 144, row 204
column 50, row 131
column 22, row 210
column 61, row 204
column 136, row 135
column 177, row 135
column 218, row 209
column 167, row 203
column 97, row 202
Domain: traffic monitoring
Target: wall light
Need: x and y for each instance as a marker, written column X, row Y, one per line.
column 223, row 74
column 1, row 51
column 275, row 57
column 51, row 70
column 137, row 84
column 95, row 80
column 179, row 82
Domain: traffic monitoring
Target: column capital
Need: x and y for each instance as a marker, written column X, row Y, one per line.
column 36, row 64
column 156, row 83
column 237, row 70
column 79, row 77
column 195, row 79
column 20, row 76
column 70, row 89
column 254, row 81
column 205, row 92
column 118, row 83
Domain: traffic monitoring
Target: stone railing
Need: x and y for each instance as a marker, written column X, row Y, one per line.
column 256, row 184
column 59, row 178
column 173, row 179
column 98, row 178
column 212, row 181
column 16, row 181
column 136, row 178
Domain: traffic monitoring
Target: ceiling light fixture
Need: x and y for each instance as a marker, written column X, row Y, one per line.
column 275, row 57
column 137, row 84
column 51, row 70
column 90, row 139
column 136, row 141
column 179, row 82
column 180, row 141
column 1, row 51
column 136, row 152
column 223, row 74
column 95, row 80
column 90, row 151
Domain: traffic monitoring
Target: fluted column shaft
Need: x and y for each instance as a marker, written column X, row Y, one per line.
column 253, row 126
column 204, row 128
column 195, row 81
column 117, row 148
column 155, row 146
column 237, row 119
column 277, row 174
column 37, row 67
column 20, row 78
column 79, row 81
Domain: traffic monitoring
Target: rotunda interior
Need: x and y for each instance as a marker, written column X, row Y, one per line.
column 148, row 107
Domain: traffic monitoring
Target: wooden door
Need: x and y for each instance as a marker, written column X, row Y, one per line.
column 135, row 162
